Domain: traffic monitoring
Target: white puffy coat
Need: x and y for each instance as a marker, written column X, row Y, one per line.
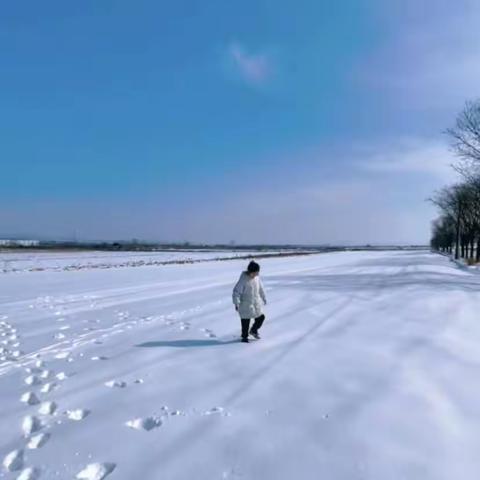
column 249, row 296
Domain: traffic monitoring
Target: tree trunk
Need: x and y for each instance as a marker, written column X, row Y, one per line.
column 457, row 236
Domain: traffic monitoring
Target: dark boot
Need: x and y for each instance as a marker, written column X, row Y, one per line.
column 256, row 326
column 245, row 327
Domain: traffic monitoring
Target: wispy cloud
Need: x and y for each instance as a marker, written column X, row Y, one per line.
column 255, row 69
column 415, row 156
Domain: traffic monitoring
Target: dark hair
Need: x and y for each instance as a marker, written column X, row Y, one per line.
column 253, row 267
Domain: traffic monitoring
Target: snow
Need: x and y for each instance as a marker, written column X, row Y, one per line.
column 13, row 461
column 96, row 471
column 29, row 474
column 367, row 369
column 148, row 423
column 78, row 414
column 22, row 261
column 47, row 408
column 30, row 425
column 38, row 441
column 30, row 398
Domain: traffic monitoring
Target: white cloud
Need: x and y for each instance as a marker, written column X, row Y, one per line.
column 380, row 198
column 417, row 156
column 255, row 69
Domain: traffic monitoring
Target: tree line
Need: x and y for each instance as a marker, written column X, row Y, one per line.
column 457, row 229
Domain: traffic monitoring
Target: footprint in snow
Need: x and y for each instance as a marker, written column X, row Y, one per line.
column 77, row 414
column 115, row 384
column 177, row 413
column 62, row 355
column 48, row 387
column 30, row 425
column 38, row 441
column 100, row 357
column 29, row 398
column 39, row 364
column 13, row 461
column 32, row 380
column 33, row 370
column 30, row 473
column 47, row 408
column 96, row 471
column 46, row 374
column 147, row 423
column 208, row 333
column 215, row 411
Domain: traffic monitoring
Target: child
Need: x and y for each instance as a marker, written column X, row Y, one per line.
column 248, row 296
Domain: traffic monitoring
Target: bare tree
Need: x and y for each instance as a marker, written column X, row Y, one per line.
column 459, row 204
column 465, row 139
column 443, row 234
column 453, row 202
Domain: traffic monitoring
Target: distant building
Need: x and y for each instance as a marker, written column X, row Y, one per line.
column 19, row 243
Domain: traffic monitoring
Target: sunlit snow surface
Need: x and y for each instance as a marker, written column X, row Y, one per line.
column 367, row 369
column 21, row 261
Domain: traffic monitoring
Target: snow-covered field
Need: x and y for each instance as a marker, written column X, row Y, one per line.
column 368, row 369
column 22, row 261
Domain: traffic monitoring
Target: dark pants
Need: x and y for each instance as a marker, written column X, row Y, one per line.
column 255, row 327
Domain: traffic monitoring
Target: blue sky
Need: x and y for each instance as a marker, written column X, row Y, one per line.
column 255, row 121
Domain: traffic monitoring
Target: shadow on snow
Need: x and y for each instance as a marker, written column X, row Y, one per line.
column 186, row 343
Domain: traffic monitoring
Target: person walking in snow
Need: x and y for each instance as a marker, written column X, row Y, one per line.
column 249, row 298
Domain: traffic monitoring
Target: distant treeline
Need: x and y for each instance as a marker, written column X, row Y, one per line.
column 138, row 246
